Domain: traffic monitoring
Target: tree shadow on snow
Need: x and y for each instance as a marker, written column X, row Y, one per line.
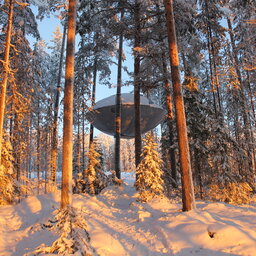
column 33, row 240
column 32, row 209
column 202, row 252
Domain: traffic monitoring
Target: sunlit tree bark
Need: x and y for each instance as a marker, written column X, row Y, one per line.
column 171, row 164
column 66, row 192
column 5, row 72
column 188, row 198
column 54, row 153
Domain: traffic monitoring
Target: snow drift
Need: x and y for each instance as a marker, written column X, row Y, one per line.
column 120, row 225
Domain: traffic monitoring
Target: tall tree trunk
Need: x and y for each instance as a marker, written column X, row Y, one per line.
column 198, row 172
column 168, row 100
column 66, row 191
column 188, row 197
column 169, row 106
column 54, row 152
column 243, row 101
column 137, row 44
column 211, row 75
column 11, row 122
column 212, row 60
column 16, row 145
column 28, row 151
column 30, row 148
column 78, row 156
column 5, row 73
column 93, row 97
column 118, row 104
column 38, row 147
column 251, row 95
column 251, row 129
column 83, row 138
column 48, row 159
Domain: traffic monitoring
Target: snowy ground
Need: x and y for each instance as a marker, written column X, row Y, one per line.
column 119, row 225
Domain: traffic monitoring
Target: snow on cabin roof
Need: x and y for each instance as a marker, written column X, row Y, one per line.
column 126, row 99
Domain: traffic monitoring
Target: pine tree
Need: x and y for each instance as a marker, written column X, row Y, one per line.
column 118, row 104
column 96, row 48
column 21, row 85
column 107, row 148
column 186, row 177
column 66, row 195
column 41, row 101
column 6, row 69
column 58, row 54
column 8, row 184
column 93, row 181
column 137, row 85
column 73, row 239
column 149, row 171
column 127, row 155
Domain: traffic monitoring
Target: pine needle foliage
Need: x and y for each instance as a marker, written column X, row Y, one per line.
column 235, row 193
column 8, row 188
column 149, row 172
column 74, row 238
column 93, row 174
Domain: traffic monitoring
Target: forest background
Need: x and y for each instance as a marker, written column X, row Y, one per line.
column 216, row 41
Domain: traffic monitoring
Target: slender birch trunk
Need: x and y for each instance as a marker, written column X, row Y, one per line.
column 188, row 197
column 5, row 73
column 66, row 191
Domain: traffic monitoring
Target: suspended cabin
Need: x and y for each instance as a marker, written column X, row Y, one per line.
column 103, row 115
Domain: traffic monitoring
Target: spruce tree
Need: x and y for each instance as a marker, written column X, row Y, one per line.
column 92, row 171
column 7, row 188
column 149, row 171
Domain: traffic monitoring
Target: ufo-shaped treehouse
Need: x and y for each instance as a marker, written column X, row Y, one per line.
column 103, row 115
